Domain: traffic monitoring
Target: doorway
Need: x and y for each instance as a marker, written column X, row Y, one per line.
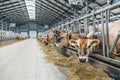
column 33, row 34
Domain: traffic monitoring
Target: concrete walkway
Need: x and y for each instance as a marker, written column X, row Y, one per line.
column 25, row 61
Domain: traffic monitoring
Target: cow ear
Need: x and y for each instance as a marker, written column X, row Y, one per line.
column 95, row 42
column 51, row 30
column 72, row 42
column 90, row 34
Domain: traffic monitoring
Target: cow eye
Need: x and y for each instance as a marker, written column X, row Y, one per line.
column 77, row 55
column 89, row 46
column 59, row 39
column 77, row 46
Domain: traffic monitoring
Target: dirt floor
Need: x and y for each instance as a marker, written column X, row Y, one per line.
column 72, row 67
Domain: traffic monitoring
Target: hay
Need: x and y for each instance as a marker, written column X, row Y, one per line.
column 72, row 67
column 5, row 43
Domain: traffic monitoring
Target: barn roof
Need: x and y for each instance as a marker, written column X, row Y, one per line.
column 47, row 11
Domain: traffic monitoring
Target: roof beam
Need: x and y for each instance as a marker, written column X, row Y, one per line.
column 65, row 11
column 10, row 10
column 69, row 8
column 46, row 16
column 46, row 7
column 10, row 3
column 46, row 13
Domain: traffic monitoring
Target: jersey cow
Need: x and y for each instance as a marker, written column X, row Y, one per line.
column 61, row 38
column 84, row 46
column 114, row 28
column 46, row 39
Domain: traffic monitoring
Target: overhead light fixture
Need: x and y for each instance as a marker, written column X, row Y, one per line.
column 76, row 2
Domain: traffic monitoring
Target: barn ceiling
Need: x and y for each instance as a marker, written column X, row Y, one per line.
column 46, row 11
column 14, row 10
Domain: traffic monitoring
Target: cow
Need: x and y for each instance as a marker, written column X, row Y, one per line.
column 45, row 39
column 61, row 38
column 40, row 38
column 114, row 28
column 84, row 45
column 21, row 37
column 56, row 32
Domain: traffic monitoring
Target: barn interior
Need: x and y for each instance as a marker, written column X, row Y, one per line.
column 35, row 16
column 31, row 18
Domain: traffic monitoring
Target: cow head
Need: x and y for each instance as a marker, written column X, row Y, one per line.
column 84, row 46
column 62, row 39
column 55, row 33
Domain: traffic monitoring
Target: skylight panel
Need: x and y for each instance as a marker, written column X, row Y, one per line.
column 31, row 8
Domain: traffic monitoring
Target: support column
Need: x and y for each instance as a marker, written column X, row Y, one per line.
column 37, row 30
column 69, row 28
column 80, row 27
column 94, row 28
column 86, row 25
column 13, row 29
column 2, row 29
column 28, row 34
column 85, row 19
column 2, row 25
column 5, row 25
column 74, row 27
column 103, row 37
column 19, row 30
column 107, row 31
column 28, row 31
column 86, row 7
column 62, row 23
column 94, row 24
column 9, row 27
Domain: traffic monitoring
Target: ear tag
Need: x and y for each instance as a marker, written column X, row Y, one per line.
column 73, row 44
column 94, row 44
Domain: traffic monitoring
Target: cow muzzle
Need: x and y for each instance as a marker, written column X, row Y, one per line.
column 83, row 59
column 55, row 44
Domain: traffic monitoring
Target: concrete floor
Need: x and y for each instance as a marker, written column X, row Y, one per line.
column 25, row 61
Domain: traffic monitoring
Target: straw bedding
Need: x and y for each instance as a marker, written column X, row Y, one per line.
column 72, row 67
column 5, row 43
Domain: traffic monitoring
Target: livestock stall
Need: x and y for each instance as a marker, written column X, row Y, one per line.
column 6, row 34
column 104, row 22
column 94, row 24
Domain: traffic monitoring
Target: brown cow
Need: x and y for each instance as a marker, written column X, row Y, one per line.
column 21, row 37
column 46, row 39
column 61, row 38
column 114, row 28
column 84, row 45
column 49, row 38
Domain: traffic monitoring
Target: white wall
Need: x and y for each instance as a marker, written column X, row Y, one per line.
column 24, row 34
